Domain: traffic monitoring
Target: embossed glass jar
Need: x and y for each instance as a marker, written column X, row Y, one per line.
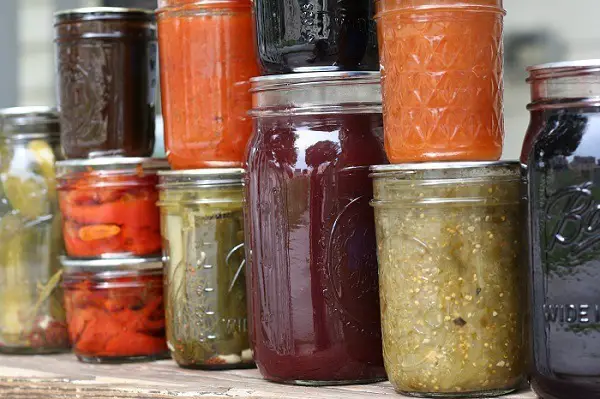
column 310, row 239
column 452, row 285
column 316, row 35
column 106, row 81
column 441, row 70
column 203, row 233
column 561, row 164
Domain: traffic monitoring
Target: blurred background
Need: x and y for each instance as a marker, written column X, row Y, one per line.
column 537, row 31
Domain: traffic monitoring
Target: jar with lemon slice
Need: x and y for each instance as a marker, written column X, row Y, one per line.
column 32, row 317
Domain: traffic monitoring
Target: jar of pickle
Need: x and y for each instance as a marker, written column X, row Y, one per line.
column 451, row 280
column 109, row 206
column 203, row 232
column 32, row 317
column 115, row 309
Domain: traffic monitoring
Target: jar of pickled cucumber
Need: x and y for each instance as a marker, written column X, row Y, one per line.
column 203, row 247
column 451, row 281
column 32, row 316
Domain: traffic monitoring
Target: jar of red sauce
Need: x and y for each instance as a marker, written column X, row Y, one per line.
column 109, row 206
column 310, row 235
column 207, row 56
column 441, row 67
column 115, row 309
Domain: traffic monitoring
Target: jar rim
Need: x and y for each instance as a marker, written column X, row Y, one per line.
column 148, row 164
column 218, row 177
column 443, row 166
column 103, row 13
column 31, row 120
column 274, row 82
column 112, row 263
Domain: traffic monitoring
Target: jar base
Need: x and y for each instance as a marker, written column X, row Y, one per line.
column 122, row 359
column 473, row 394
column 319, row 383
column 217, row 367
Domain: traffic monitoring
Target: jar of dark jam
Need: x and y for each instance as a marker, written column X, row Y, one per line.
column 310, row 234
column 106, row 79
column 561, row 164
column 316, row 35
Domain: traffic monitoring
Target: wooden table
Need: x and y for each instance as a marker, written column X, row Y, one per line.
column 63, row 377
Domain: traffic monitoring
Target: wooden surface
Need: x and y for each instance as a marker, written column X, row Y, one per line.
column 63, row 377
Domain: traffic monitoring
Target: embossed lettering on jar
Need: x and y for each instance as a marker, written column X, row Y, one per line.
column 106, row 73
column 310, row 237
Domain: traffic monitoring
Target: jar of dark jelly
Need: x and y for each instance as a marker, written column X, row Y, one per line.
column 106, row 81
column 561, row 164
column 310, row 233
column 316, row 35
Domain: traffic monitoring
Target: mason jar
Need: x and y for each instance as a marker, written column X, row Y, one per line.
column 32, row 317
column 451, row 280
column 115, row 309
column 106, row 71
column 203, row 234
column 310, row 238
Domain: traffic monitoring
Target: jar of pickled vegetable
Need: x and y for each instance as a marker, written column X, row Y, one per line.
column 115, row 310
column 310, row 234
column 451, row 280
column 203, row 232
column 106, row 61
column 32, row 317
column 207, row 57
column 441, row 67
column 109, row 206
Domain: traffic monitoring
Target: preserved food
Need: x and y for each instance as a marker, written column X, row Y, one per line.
column 310, row 237
column 106, row 81
column 448, row 238
column 442, row 79
column 115, row 309
column 207, row 57
column 203, row 231
column 32, row 317
column 109, row 206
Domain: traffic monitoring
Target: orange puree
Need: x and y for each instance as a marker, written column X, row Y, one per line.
column 442, row 79
column 207, row 57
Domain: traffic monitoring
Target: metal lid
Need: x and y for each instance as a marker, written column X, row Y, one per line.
column 74, row 264
column 148, row 164
column 446, row 170
column 321, row 92
column 29, row 120
column 200, row 178
column 566, row 65
column 103, row 13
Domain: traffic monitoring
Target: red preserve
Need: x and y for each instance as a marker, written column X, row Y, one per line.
column 310, row 239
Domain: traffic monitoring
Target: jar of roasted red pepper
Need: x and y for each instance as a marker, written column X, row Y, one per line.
column 207, row 58
column 109, row 206
column 115, row 310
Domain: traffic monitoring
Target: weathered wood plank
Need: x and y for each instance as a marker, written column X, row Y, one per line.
column 63, row 377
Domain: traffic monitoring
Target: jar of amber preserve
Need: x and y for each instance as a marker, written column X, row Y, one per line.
column 207, row 57
column 115, row 310
column 203, row 232
column 441, row 67
column 106, row 79
column 452, row 291
column 310, row 238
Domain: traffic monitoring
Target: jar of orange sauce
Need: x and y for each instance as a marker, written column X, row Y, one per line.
column 207, row 57
column 442, row 79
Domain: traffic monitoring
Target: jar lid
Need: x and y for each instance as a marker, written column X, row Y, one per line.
column 112, row 163
column 200, row 178
column 103, row 13
column 447, row 170
column 29, row 120
column 319, row 92
column 74, row 264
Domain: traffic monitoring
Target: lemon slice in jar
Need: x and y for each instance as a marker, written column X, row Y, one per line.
column 44, row 156
column 27, row 195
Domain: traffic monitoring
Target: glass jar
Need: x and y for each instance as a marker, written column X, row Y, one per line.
column 561, row 158
column 207, row 57
column 442, row 79
column 310, row 238
column 106, row 81
column 316, row 35
column 32, row 317
column 203, row 232
column 109, row 206
column 452, row 290
column 115, row 309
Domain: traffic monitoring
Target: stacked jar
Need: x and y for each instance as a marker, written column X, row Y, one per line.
column 207, row 58
column 106, row 73
column 447, row 211
column 310, row 236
